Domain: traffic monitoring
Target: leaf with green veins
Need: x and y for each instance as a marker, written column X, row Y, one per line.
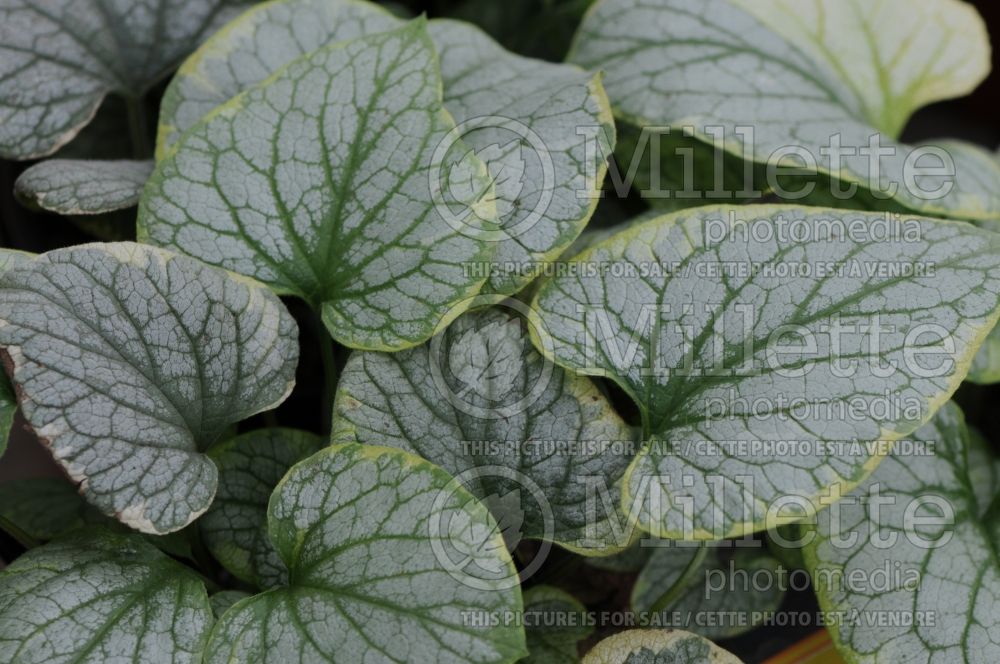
column 319, row 188
column 235, row 527
column 98, row 597
column 250, row 49
column 805, row 74
column 555, row 622
column 689, row 576
column 82, row 186
column 714, row 380
column 223, row 601
column 60, row 58
column 543, row 129
column 130, row 361
column 363, row 532
column 660, row 646
column 923, row 522
column 482, row 403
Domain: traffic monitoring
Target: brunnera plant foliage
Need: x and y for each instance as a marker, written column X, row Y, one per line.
column 387, row 172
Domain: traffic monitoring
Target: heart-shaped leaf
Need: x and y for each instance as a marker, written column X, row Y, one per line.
column 543, row 129
column 59, row 58
column 481, row 402
column 555, row 622
column 908, row 559
column 823, row 76
column 235, row 527
column 100, row 597
column 130, row 361
column 713, row 591
column 320, row 188
column 82, row 186
column 368, row 534
column 765, row 362
column 649, row 646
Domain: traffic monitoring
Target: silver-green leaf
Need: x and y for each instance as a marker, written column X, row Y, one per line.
column 83, row 186
column 130, row 361
column 235, row 527
column 736, row 339
column 60, row 58
column 253, row 47
column 98, row 597
column 481, row 402
column 908, row 559
column 542, row 128
column 814, row 74
column 365, row 533
column 319, row 186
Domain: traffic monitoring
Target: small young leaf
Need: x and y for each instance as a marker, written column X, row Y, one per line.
column 364, row 532
column 235, row 527
column 641, row 646
column 83, row 186
column 483, row 404
column 60, row 58
column 319, row 187
column 689, row 574
column 130, row 361
column 916, row 541
column 99, row 597
column 691, row 313
column 799, row 74
column 537, row 125
column 554, row 623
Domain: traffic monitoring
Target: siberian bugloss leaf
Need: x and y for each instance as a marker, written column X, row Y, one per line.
column 363, row 531
column 130, row 361
column 319, row 187
column 811, row 75
column 726, row 347
column 99, row 597
column 60, row 58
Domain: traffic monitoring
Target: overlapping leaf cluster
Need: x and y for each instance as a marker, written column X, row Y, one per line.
column 386, row 172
